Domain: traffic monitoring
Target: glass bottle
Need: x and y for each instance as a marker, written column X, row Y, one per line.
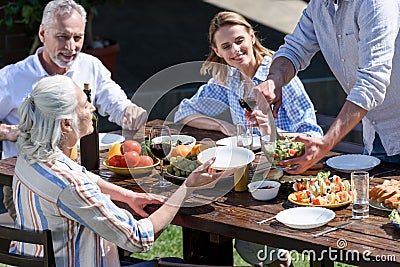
column 89, row 144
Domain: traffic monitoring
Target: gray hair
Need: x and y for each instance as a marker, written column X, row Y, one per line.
column 61, row 7
column 52, row 100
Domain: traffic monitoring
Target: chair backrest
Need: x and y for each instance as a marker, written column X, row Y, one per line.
column 161, row 263
column 7, row 234
column 355, row 147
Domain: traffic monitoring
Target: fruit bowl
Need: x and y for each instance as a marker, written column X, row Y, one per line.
column 130, row 171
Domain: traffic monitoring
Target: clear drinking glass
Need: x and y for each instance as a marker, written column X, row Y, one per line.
column 360, row 192
column 268, row 148
column 160, row 146
column 244, row 135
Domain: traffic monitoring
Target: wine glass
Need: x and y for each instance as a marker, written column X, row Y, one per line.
column 160, row 146
column 246, row 91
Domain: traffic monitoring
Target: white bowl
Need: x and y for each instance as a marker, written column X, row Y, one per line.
column 258, row 192
column 185, row 139
column 227, row 157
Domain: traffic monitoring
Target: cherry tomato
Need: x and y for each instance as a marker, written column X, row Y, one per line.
column 131, row 145
column 122, row 162
column 145, row 161
column 132, row 159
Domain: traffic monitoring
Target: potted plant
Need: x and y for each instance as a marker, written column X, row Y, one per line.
column 27, row 14
column 19, row 22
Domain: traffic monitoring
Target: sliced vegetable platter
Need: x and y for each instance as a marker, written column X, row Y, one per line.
column 321, row 191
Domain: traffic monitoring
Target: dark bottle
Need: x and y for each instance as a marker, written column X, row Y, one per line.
column 89, row 144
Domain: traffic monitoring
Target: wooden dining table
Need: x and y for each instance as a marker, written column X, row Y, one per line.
column 210, row 227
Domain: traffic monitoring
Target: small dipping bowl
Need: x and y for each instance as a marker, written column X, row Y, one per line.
column 264, row 190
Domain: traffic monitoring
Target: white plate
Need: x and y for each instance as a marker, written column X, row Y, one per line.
column 232, row 141
column 353, row 162
column 185, row 139
column 107, row 139
column 305, row 217
column 227, row 157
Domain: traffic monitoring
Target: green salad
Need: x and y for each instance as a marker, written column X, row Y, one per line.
column 286, row 149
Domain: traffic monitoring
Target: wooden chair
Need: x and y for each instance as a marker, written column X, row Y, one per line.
column 344, row 146
column 161, row 263
column 8, row 234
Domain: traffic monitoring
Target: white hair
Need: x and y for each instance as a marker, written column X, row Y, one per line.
column 61, row 7
column 52, row 100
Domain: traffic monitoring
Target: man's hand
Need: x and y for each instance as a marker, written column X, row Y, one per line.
column 315, row 149
column 9, row 132
column 272, row 94
column 138, row 201
column 134, row 118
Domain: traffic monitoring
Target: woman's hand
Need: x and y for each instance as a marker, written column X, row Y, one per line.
column 138, row 201
column 260, row 120
column 206, row 177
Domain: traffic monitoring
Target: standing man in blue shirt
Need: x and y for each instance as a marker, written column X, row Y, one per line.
column 360, row 42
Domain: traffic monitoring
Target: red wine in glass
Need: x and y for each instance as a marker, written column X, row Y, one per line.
column 160, row 150
column 160, row 146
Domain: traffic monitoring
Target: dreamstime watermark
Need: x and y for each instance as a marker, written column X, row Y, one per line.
column 332, row 254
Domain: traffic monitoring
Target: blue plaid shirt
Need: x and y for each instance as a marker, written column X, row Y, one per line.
column 295, row 115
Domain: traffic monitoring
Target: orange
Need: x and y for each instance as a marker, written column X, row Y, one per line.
column 115, row 149
column 199, row 147
column 181, row 150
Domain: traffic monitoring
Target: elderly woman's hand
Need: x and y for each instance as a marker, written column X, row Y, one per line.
column 206, row 177
column 138, row 201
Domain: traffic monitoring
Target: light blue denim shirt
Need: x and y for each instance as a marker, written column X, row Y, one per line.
column 361, row 45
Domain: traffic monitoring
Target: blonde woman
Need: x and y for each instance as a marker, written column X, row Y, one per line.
column 236, row 55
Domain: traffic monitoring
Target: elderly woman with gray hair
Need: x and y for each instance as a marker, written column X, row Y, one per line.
column 53, row 192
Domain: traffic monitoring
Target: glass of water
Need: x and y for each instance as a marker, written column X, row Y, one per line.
column 360, row 192
column 244, row 134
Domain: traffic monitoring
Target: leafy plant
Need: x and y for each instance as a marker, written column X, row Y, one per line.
column 29, row 14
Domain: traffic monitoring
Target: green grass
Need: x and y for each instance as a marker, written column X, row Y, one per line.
column 169, row 244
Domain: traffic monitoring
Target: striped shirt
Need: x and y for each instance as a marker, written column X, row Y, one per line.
column 212, row 99
column 62, row 197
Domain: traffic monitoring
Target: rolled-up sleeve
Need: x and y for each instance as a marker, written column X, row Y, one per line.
column 110, row 100
column 302, row 44
column 377, row 36
column 211, row 100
